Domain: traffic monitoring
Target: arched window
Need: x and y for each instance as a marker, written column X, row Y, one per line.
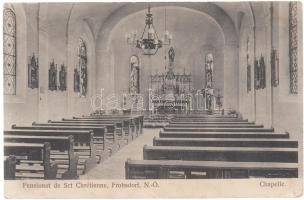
column 80, row 72
column 293, row 47
column 248, row 65
column 134, row 75
column 209, row 70
column 9, row 51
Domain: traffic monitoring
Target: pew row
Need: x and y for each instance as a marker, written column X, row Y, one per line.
column 209, row 120
column 226, row 142
column 231, row 154
column 126, row 125
column 198, row 126
column 115, row 130
column 105, row 143
column 135, row 119
column 202, row 116
column 33, row 160
column 62, row 152
column 172, row 134
column 177, row 169
column 217, row 129
column 83, row 145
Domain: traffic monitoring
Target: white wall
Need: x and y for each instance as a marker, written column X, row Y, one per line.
column 277, row 108
column 49, row 40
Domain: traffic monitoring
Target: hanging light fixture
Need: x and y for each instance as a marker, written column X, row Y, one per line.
column 149, row 42
column 167, row 36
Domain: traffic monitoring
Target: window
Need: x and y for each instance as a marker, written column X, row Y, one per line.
column 9, row 52
column 209, row 70
column 248, row 66
column 80, row 72
column 134, row 75
column 293, row 48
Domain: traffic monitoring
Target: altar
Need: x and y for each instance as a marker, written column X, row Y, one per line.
column 170, row 91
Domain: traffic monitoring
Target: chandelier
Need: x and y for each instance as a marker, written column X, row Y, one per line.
column 149, row 42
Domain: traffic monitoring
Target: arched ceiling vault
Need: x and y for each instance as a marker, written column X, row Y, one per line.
column 215, row 12
column 103, row 17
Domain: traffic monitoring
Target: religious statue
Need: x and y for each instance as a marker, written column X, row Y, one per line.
column 171, row 54
column 62, row 78
column 33, row 73
column 53, row 76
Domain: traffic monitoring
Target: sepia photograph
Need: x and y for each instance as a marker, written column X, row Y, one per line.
column 152, row 99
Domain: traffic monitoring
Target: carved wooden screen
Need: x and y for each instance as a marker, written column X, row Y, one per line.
column 9, row 51
column 293, row 48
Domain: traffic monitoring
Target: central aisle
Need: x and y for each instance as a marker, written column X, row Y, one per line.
column 114, row 166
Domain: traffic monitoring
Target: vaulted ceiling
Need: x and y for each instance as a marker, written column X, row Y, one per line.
column 104, row 16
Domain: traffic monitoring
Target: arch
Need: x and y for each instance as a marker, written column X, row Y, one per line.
column 211, row 10
column 76, row 30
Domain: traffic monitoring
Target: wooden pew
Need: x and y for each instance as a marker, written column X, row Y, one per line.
column 177, row 169
column 226, row 142
column 99, row 135
column 62, row 152
column 9, row 167
column 137, row 120
column 209, row 120
column 124, row 127
column 232, row 154
column 33, row 160
column 113, row 128
column 175, row 134
column 131, row 126
column 181, row 116
column 106, row 141
column 83, row 144
column 217, row 129
column 197, row 126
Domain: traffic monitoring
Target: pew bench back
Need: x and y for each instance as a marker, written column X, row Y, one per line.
column 33, row 160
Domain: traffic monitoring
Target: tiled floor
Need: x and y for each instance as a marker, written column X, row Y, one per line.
column 114, row 166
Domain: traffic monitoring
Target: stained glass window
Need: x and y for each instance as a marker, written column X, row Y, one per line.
column 9, row 52
column 134, row 75
column 293, row 48
column 248, row 66
column 209, row 70
column 82, row 81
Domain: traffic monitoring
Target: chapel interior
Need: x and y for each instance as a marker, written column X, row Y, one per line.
column 134, row 73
